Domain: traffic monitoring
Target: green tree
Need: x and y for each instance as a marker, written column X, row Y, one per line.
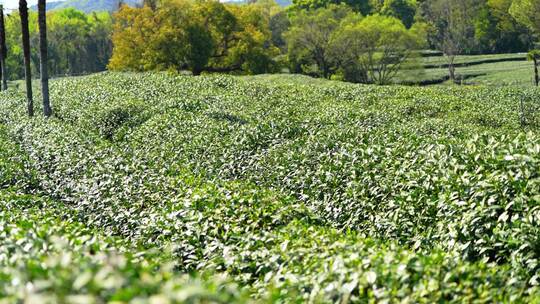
column 404, row 10
column 132, row 37
column 527, row 12
column 379, row 46
column 453, row 27
column 151, row 3
column 200, row 47
column 278, row 21
column 279, row 25
column 77, row 43
column 310, row 39
column 172, row 37
column 496, row 31
column 197, row 36
column 362, row 6
column 182, row 41
column 252, row 50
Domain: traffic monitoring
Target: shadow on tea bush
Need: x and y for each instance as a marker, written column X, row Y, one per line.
column 114, row 122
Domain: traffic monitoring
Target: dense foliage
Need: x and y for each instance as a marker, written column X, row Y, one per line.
column 293, row 189
column 78, row 43
column 497, row 25
column 196, row 36
column 90, row 6
column 313, row 36
column 336, row 42
column 309, row 36
column 527, row 12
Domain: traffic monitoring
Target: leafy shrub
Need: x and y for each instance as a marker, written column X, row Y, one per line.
column 46, row 259
column 112, row 122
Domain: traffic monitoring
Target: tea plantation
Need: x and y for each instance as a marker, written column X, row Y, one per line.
column 152, row 188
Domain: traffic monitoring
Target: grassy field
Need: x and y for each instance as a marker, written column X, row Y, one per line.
column 151, row 188
column 491, row 70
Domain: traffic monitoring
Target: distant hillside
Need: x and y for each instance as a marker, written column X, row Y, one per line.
column 88, row 6
column 280, row 2
column 284, row 2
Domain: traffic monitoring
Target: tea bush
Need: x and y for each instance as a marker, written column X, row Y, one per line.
column 297, row 191
column 45, row 259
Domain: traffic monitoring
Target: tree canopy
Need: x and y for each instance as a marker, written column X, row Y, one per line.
column 336, row 41
column 323, row 38
column 78, row 43
column 195, row 36
column 527, row 12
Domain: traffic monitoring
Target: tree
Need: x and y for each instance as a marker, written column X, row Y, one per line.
column 534, row 56
column 377, row 45
column 78, row 43
column 172, row 37
column 496, row 31
column 3, row 49
column 133, row 30
column 197, row 36
column 170, row 46
column 376, row 6
column 252, row 49
column 44, row 69
column 277, row 19
column 151, row 3
column 404, row 10
column 279, row 25
column 362, row 6
column 23, row 11
column 310, row 39
column 527, row 12
column 452, row 22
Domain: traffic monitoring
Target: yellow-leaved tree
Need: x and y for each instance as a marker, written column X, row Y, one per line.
column 196, row 36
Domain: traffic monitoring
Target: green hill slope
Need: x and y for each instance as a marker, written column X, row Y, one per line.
column 275, row 189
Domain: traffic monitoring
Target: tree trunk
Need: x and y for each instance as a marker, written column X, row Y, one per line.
column 536, row 77
column 44, row 69
column 23, row 11
column 451, row 67
column 452, row 72
column 325, row 69
column 3, row 49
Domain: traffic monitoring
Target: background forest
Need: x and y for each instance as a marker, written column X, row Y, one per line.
column 368, row 41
